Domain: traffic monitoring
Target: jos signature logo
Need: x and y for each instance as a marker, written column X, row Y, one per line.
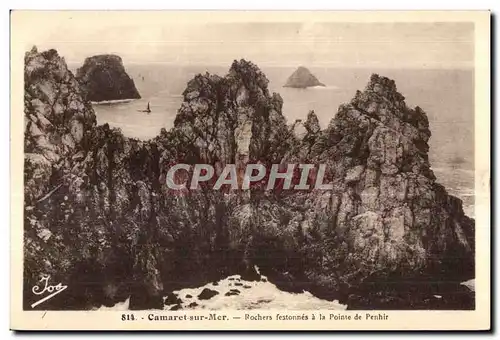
column 52, row 290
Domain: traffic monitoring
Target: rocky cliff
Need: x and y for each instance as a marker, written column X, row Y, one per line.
column 302, row 78
column 103, row 77
column 393, row 227
column 99, row 217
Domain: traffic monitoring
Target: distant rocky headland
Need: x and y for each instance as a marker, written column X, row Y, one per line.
column 104, row 78
column 302, row 78
column 99, row 218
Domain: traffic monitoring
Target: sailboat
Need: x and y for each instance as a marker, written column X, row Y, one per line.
column 148, row 109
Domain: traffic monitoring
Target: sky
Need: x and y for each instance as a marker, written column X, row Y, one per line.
column 280, row 43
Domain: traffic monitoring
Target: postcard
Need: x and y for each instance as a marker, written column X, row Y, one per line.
column 272, row 170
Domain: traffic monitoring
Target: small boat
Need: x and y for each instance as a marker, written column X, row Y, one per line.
column 148, row 109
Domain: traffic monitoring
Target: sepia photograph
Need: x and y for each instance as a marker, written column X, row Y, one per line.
column 176, row 163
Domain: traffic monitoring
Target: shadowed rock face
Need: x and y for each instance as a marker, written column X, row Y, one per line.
column 103, row 222
column 386, row 217
column 104, row 78
column 302, row 78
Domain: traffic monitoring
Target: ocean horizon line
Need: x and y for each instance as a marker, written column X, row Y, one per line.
column 280, row 65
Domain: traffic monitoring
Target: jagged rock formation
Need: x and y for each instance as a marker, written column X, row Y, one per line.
column 104, row 78
column 71, row 194
column 99, row 217
column 302, row 78
column 387, row 218
column 56, row 120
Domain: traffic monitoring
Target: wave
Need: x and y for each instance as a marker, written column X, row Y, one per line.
column 116, row 101
column 120, row 306
column 234, row 293
column 466, row 192
column 471, row 284
column 318, row 87
column 326, row 87
column 452, row 169
column 470, row 211
column 251, row 295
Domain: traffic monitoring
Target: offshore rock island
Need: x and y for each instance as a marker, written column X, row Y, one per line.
column 99, row 218
column 104, row 79
column 302, row 78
